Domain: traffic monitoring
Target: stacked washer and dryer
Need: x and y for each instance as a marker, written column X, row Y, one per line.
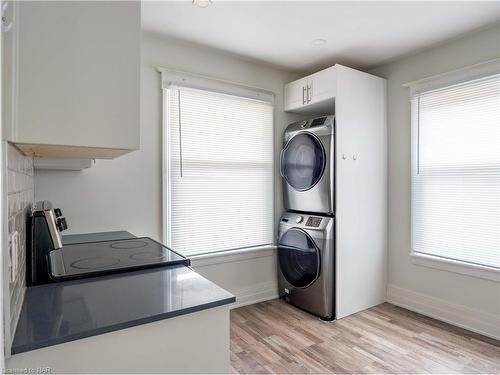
column 306, row 234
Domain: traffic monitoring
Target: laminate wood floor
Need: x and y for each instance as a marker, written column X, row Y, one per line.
column 275, row 337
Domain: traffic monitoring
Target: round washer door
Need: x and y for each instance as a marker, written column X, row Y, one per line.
column 299, row 258
column 303, row 161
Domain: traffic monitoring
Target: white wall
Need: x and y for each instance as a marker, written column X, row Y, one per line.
column 464, row 300
column 126, row 193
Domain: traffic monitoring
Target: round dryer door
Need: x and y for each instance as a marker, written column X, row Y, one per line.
column 299, row 258
column 303, row 161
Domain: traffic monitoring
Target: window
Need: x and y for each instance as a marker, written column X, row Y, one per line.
column 218, row 171
column 456, row 172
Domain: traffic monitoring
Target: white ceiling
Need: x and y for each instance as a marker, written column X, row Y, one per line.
column 360, row 34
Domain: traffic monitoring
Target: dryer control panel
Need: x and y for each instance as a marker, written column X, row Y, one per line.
column 313, row 122
column 314, row 125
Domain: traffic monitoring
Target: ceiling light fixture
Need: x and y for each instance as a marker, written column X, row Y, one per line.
column 202, row 3
column 318, row 42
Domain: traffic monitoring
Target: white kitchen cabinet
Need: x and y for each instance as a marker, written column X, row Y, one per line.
column 9, row 15
column 312, row 93
column 196, row 343
column 295, row 94
column 358, row 101
column 76, row 78
column 322, row 85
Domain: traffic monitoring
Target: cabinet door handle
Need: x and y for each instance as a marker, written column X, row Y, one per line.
column 281, row 163
column 308, row 93
column 6, row 25
column 303, row 95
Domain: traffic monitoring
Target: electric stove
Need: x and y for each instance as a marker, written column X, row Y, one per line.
column 106, row 257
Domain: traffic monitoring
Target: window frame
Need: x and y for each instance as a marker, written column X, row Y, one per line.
column 424, row 85
column 169, row 78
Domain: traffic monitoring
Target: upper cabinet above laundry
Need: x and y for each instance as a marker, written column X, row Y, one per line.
column 312, row 94
column 74, row 77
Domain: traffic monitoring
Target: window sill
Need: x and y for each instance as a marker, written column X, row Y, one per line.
column 231, row 256
column 482, row 272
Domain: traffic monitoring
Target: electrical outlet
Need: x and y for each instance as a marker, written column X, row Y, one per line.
column 14, row 255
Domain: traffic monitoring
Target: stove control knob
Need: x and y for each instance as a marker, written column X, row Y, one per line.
column 299, row 219
column 57, row 212
column 62, row 224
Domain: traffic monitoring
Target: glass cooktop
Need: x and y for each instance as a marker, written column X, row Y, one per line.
column 105, row 257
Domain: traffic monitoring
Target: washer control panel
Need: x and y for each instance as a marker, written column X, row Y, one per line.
column 296, row 219
column 313, row 221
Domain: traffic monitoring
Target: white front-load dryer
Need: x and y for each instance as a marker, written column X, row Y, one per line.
column 307, row 166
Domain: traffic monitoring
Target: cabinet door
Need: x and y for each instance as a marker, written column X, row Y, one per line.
column 295, row 94
column 361, row 192
column 9, row 40
column 79, row 74
column 321, row 85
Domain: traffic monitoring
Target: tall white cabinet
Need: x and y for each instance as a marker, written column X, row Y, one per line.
column 358, row 101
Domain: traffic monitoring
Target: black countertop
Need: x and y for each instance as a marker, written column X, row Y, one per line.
column 61, row 312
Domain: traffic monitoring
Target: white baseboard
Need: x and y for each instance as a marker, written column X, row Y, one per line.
column 255, row 293
column 462, row 316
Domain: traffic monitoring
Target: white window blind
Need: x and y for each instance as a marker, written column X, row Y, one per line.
column 456, row 172
column 219, row 158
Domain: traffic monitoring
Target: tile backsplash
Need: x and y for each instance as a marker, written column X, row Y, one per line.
column 20, row 198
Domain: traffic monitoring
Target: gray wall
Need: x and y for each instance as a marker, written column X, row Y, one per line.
column 468, row 294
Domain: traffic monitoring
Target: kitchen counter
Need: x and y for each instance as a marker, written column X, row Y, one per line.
column 67, row 311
